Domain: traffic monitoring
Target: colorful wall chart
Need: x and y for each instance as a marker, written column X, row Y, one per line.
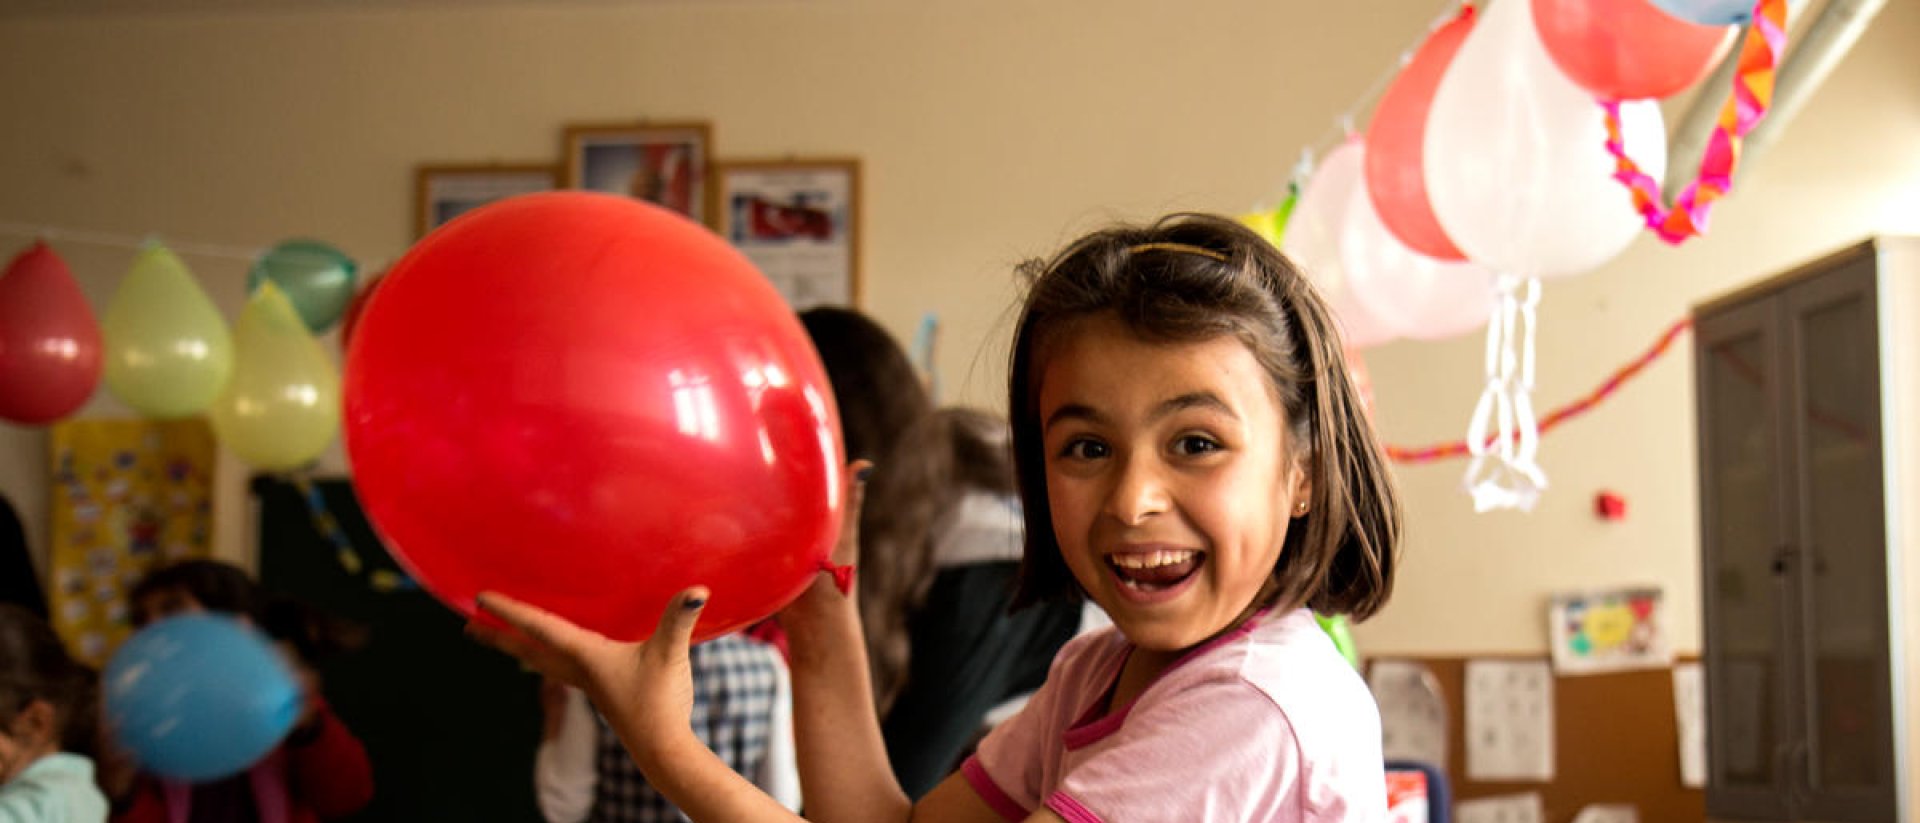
column 127, row 495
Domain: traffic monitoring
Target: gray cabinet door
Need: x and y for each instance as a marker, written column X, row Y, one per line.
column 1746, row 516
column 1840, row 768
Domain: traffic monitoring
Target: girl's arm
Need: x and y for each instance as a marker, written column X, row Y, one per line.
column 645, row 692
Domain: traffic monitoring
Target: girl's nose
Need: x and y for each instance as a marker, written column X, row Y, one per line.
column 1138, row 492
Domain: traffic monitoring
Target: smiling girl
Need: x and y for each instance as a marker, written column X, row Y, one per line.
column 1192, row 457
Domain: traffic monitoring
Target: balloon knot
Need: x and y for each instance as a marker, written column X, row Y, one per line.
column 842, row 576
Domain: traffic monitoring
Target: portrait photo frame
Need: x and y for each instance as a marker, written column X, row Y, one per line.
column 666, row 163
column 798, row 220
column 443, row 191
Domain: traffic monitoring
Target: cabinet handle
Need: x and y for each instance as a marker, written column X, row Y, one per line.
column 1782, row 556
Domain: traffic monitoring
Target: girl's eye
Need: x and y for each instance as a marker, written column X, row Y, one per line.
column 1081, row 448
column 1195, row 444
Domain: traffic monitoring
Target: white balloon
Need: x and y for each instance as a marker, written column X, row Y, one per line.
column 1311, row 239
column 1516, row 162
column 1409, row 293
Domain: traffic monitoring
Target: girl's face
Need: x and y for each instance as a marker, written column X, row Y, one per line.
column 1168, row 478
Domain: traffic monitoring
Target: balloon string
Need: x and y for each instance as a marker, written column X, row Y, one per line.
column 143, row 242
column 1746, row 105
column 1342, row 125
column 842, row 576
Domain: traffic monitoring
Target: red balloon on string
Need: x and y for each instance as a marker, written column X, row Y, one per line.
column 1626, row 49
column 49, row 340
column 1396, row 162
column 590, row 403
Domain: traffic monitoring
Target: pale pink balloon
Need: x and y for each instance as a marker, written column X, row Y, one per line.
column 1312, row 239
column 1408, row 293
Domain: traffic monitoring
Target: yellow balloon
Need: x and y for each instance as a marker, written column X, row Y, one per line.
column 1263, row 224
column 168, row 350
column 282, row 406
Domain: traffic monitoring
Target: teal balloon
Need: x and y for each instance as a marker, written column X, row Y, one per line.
column 318, row 278
column 1341, row 633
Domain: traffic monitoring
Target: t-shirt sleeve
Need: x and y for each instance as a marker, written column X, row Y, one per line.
column 1219, row 750
column 1007, row 770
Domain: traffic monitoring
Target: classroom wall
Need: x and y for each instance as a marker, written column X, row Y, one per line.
column 990, row 131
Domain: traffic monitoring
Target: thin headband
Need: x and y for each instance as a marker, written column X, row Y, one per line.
column 1181, row 248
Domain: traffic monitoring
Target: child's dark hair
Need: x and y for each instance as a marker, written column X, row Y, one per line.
column 34, row 665
column 1194, row 277
column 916, row 488
column 219, row 587
column 874, row 384
column 223, row 588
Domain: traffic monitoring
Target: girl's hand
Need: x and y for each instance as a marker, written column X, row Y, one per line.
column 823, row 593
column 646, row 686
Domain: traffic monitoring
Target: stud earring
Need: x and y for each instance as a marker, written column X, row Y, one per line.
column 1300, row 507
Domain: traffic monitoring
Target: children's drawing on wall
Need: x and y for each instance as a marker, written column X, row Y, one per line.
column 1413, row 712
column 1506, row 808
column 127, row 495
column 1509, row 720
column 1608, row 631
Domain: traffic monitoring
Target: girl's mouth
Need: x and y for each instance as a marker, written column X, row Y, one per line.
column 1145, row 574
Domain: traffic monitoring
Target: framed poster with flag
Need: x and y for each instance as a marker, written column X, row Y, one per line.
column 798, row 220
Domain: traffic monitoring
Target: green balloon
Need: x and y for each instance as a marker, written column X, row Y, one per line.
column 1341, row 632
column 316, row 277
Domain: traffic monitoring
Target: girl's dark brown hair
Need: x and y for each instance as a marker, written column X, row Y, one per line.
column 34, row 665
column 1194, row 277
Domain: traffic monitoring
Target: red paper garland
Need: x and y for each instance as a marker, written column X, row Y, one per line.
column 1458, row 448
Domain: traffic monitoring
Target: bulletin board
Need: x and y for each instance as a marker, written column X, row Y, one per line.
column 126, row 495
column 1616, row 740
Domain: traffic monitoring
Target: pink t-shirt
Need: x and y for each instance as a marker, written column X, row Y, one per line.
column 1265, row 723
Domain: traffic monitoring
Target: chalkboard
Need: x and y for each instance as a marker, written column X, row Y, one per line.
column 450, row 725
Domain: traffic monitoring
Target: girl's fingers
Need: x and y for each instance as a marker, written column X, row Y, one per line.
column 539, row 625
column 675, row 633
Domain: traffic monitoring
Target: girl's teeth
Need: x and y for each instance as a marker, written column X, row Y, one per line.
column 1152, row 559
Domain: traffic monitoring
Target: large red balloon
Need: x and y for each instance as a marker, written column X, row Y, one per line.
column 1626, row 49
column 1396, row 163
column 49, row 340
column 355, row 306
column 590, row 403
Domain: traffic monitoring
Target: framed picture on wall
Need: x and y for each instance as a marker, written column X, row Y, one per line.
column 443, row 192
column 664, row 163
column 799, row 221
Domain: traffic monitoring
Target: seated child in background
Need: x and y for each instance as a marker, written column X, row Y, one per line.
column 742, row 710
column 320, row 772
column 48, row 706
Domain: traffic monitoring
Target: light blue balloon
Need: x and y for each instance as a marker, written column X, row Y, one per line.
column 1709, row 12
column 199, row 697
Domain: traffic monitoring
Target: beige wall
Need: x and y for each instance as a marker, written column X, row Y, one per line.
column 991, row 131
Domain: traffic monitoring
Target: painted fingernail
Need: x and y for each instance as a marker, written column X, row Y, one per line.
column 693, row 603
column 864, row 471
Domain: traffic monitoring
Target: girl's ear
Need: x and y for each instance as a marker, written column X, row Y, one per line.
column 1302, row 484
column 35, row 723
